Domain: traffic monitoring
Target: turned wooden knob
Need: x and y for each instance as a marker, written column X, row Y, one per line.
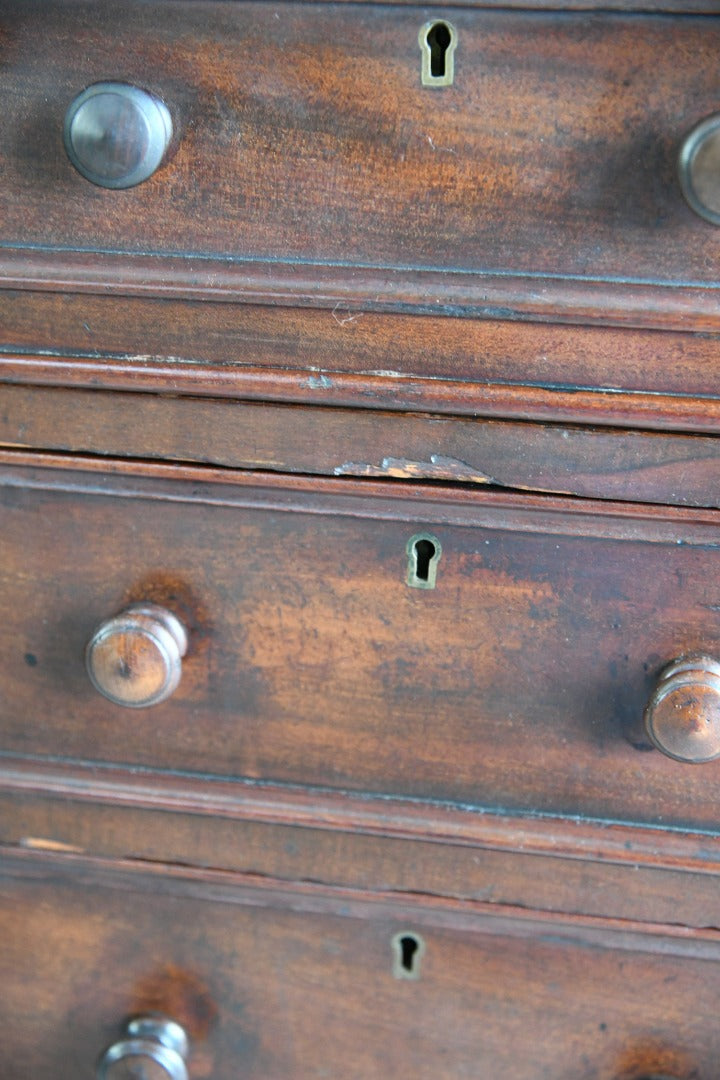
column 153, row 1048
column 135, row 658
column 116, row 134
column 699, row 169
column 682, row 717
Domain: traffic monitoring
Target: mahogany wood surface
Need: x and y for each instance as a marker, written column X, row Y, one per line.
column 324, row 809
column 590, row 462
column 544, row 175
column 394, row 849
column 607, row 408
column 350, row 317
column 518, row 682
column 467, row 294
column 291, row 983
column 349, row 356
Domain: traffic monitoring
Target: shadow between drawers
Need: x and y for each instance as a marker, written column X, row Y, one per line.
column 389, row 847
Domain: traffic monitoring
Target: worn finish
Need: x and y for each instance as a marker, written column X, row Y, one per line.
column 574, row 299
column 519, row 681
column 391, row 847
column 682, row 716
column 350, row 356
column 489, row 989
column 321, row 151
column 400, row 816
column 400, row 819
column 608, row 408
column 135, row 657
column 634, row 466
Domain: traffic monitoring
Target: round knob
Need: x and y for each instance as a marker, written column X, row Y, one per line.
column 682, row 717
column 135, row 659
column 116, row 135
column 153, row 1049
column 699, row 169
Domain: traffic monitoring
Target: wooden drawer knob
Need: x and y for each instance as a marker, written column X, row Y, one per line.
column 135, row 658
column 116, row 135
column 699, row 169
column 682, row 717
column 152, row 1049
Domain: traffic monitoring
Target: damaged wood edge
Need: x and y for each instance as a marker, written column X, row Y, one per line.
column 438, row 467
column 447, row 469
column 327, row 810
column 366, row 498
column 597, row 462
column 606, row 406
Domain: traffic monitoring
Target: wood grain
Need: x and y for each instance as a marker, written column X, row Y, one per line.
column 398, row 819
column 390, row 847
column 348, row 290
column 299, row 984
column 602, row 464
column 606, row 408
column 319, row 170
column 343, row 275
column 363, row 359
column 519, row 682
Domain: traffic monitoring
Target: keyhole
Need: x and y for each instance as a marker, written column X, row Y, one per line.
column 423, row 553
column 438, row 38
column 408, row 950
column 437, row 42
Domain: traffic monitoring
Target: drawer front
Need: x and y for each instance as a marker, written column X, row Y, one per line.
column 518, row 681
column 304, row 133
column 302, row 985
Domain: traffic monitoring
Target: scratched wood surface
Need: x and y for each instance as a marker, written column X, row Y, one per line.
column 305, row 139
column 518, row 682
column 593, row 463
column 300, row 983
column 348, row 356
column 389, row 847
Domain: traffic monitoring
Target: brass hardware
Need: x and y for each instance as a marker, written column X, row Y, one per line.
column 438, row 41
column 408, row 951
column 423, row 552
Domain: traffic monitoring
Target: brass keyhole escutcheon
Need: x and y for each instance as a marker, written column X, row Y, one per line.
column 423, row 552
column 438, row 41
column 408, row 951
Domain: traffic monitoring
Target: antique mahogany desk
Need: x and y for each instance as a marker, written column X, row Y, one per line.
column 360, row 540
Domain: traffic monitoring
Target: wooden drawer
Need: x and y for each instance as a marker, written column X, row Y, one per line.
column 599, row 463
column 519, row 681
column 300, row 983
column 308, row 152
